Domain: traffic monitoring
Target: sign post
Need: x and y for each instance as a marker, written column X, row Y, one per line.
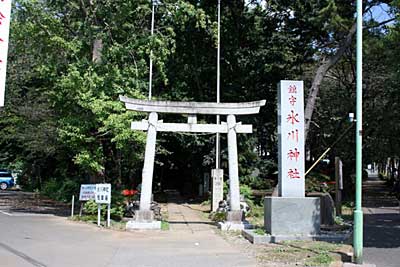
column 72, row 206
column 86, row 193
column 98, row 214
column 5, row 17
column 103, row 196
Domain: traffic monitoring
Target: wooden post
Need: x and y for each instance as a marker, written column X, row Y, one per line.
column 338, row 185
column 81, row 209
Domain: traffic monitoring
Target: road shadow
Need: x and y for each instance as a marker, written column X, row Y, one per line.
column 19, row 202
column 382, row 230
column 193, row 222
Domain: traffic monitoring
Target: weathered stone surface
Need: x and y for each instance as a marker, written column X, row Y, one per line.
column 193, row 107
column 327, row 207
column 147, row 173
column 234, row 191
column 234, row 216
column 144, row 216
column 218, row 187
column 191, row 127
column 292, row 216
column 234, row 226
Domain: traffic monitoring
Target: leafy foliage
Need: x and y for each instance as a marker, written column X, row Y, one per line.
column 70, row 61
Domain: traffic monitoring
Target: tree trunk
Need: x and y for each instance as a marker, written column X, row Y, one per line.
column 320, row 74
column 97, row 51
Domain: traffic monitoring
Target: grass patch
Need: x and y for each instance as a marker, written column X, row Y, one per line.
column 205, row 203
column 92, row 219
column 85, row 218
column 321, row 259
column 301, row 253
column 164, row 225
column 260, row 231
column 256, row 215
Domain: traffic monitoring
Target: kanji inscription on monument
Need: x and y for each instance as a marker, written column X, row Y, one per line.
column 291, row 138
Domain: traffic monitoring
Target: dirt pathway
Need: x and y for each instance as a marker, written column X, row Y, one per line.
column 185, row 217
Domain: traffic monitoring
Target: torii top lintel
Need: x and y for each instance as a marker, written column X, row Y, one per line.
column 209, row 108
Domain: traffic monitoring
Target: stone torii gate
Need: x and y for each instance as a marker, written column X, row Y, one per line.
column 144, row 217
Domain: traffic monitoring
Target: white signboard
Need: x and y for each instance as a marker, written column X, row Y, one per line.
column 103, row 193
column 291, row 139
column 87, row 192
column 5, row 16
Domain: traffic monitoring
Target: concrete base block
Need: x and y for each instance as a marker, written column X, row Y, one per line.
column 292, row 216
column 358, row 265
column 255, row 238
column 234, row 216
column 136, row 225
column 234, row 226
column 144, row 216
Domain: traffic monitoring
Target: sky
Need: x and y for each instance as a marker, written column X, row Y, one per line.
column 379, row 13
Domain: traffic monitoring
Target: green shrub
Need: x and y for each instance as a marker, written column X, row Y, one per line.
column 246, row 191
column 260, row 231
column 51, row 188
column 164, row 225
column 90, row 207
column 256, row 182
column 116, row 212
column 68, row 188
column 315, row 183
column 60, row 190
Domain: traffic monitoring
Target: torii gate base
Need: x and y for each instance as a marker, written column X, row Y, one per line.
column 144, row 218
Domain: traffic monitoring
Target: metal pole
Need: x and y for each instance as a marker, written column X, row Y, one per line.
column 217, row 142
column 151, row 51
column 358, row 214
column 108, row 215
column 72, row 206
column 98, row 214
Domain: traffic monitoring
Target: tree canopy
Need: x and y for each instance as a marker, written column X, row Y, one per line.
column 70, row 61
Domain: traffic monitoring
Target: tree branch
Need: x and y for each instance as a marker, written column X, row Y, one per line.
column 380, row 23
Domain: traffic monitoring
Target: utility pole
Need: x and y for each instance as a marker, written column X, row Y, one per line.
column 217, row 140
column 358, row 214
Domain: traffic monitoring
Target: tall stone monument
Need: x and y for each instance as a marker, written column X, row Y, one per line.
column 291, row 214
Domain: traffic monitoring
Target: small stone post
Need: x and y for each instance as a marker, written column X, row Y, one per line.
column 338, row 185
column 217, row 188
column 234, row 191
column 145, row 214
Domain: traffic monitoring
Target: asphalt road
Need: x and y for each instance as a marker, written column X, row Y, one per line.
column 381, row 225
column 38, row 240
